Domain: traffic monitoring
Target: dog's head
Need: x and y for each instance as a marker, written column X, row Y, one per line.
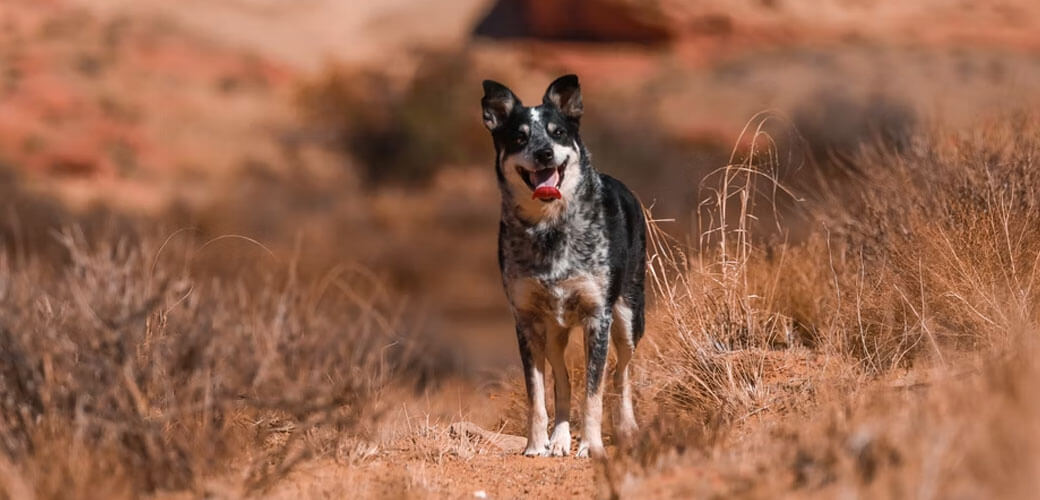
column 539, row 151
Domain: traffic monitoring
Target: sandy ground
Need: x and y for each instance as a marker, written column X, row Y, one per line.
column 497, row 475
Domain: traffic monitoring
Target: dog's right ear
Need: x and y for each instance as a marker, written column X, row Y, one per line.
column 498, row 103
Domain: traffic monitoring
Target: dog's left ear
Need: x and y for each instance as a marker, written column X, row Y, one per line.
column 565, row 93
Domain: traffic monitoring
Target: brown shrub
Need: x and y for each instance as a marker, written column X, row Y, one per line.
column 126, row 370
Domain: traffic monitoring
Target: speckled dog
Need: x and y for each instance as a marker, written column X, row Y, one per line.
column 572, row 250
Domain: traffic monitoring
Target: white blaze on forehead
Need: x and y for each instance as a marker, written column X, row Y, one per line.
column 536, row 115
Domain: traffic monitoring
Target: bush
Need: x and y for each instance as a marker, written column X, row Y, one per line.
column 928, row 260
column 124, row 370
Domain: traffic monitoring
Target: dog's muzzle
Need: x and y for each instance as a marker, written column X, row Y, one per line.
column 544, row 183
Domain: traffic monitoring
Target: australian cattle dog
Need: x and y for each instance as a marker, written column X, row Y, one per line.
column 572, row 251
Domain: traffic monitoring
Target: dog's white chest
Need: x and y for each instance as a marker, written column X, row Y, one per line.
column 567, row 302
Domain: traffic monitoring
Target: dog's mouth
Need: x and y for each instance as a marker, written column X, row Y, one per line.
column 544, row 183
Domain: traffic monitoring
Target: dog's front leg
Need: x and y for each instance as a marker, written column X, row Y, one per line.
column 531, row 339
column 556, row 346
column 597, row 335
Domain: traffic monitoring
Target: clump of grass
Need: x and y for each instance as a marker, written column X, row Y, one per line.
column 948, row 224
column 126, row 370
column 721, row 323
column 870, row 344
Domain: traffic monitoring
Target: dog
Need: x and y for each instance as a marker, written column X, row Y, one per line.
column 572, row 252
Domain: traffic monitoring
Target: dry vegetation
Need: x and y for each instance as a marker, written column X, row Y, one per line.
column 127, row 368
column 297, row 296
column 886, row 350
column 887, row 354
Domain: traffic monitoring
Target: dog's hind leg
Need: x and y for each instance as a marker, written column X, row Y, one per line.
column 531, row 339
column 597, row 331
column 624, row 344
column 556, row 345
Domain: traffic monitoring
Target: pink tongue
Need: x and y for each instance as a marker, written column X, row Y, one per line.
column 544, row 177
column 545, row 184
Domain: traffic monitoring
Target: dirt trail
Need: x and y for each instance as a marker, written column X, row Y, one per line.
column 493, row 475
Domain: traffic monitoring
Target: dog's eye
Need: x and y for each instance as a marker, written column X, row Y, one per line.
column 557, row 133
column 521, row 138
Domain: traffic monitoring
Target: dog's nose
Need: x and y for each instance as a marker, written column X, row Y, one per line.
column 544, row 156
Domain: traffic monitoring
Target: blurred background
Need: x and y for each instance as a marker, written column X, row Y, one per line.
column 335, row 131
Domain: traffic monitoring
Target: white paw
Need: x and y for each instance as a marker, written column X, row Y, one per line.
column 586, row 450
column 560, row 442
column 537, row 448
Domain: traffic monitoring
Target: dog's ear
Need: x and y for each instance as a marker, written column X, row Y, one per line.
column 498, row 103
column 565, row 93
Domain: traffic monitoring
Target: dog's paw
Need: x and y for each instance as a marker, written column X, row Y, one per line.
column 586, row 450
column 538, row 448
column 560, row 442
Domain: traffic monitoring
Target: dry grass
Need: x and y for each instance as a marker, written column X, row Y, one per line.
column 886, row 354
column 871, row 333
column 884, row 349
column 127, row 370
